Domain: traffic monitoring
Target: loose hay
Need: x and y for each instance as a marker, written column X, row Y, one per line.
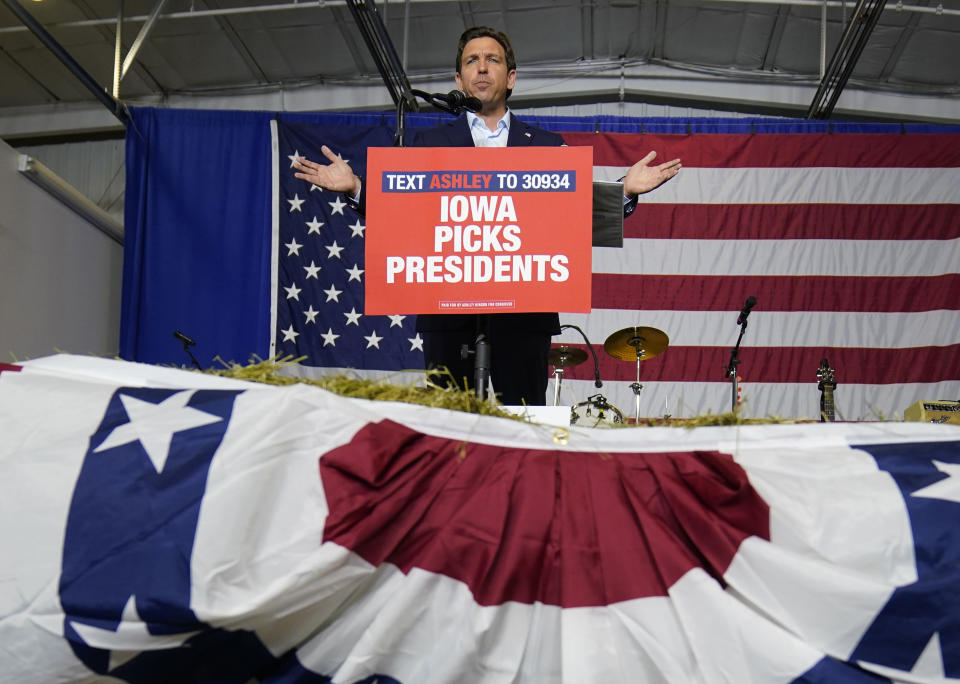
column 271, row 372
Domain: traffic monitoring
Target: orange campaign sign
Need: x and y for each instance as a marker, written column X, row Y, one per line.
column 478, row 230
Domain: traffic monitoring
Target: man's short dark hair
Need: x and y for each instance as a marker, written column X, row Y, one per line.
column 487, row 32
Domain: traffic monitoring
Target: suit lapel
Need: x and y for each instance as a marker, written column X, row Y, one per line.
column 520, row 133
column 460, row 133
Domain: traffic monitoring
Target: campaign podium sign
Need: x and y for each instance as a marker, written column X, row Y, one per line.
column 478, row 230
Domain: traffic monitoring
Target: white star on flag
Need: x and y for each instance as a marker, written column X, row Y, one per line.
column 947, row 489
column 333, row 294
column 129, row 638
column 336, row 207
column 353, row 317
column 290, row 335
column 311, row 315
column 372, row 340
column 334, row 250
column 315, row 187
column 293, row 292
column 294, row 158
column 295, row 203
column 415, row 342
column 155, row 424
column 294, row 247
column 314, row 225
column 396, row 321
column 329, row 338
column 312, row 270
column 357, row 229
column 355, row 273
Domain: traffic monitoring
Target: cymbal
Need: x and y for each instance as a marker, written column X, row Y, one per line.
column 563, row 356
column 636, row 343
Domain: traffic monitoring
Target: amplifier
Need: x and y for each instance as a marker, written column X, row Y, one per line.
column 934, row 411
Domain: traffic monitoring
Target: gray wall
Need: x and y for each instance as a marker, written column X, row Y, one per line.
column 59, row 275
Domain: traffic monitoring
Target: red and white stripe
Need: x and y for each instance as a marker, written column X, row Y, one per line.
column 849, row 242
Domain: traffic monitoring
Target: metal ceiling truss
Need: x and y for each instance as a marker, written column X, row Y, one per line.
column 115, row 106
column 844, row 60
column 776, row 37
column 139, row 40
column 381, row 49
column 905, row 36
column 230, row 33
column 834, row 77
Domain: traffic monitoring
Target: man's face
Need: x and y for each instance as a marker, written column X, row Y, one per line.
column 483, row 72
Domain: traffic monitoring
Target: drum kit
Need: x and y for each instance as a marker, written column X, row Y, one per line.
column 633, row 344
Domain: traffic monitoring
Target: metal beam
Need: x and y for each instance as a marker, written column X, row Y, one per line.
column 466, row 13
column 141, row 37
column 238, row 45
column 660, row 29
column 344, row 27
column 118, row 50
column 70, row 196
column 844, row 60
column 905, row 35
column 381, row 49
column 29, row 75
column 586, row 29
column 324, row 4
column 776, row 37
column 110, row 36
column 116, row 108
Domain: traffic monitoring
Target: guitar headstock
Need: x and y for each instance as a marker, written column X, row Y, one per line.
column 825, row 373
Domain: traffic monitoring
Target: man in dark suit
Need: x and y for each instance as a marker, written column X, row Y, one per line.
column 486, row 69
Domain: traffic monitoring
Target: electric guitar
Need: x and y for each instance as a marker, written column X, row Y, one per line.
column 826, row 386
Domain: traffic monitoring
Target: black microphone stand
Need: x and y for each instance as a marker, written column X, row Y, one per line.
column 187, row 343
column 410, row 102
column 481, row 358
column 481, row 351
column 731, row 369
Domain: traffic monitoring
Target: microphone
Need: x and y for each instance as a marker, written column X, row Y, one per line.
column 457, row 100
column 187, row 343
column 745, row 311
column 183, row 338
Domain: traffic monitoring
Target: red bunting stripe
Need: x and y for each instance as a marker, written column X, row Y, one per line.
column 568, row 529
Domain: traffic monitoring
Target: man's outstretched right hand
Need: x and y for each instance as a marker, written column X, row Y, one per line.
column 336, row 176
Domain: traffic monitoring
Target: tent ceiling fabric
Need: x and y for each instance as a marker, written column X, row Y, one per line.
column 749, row 56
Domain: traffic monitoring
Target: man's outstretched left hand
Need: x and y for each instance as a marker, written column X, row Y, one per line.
column 643, row 178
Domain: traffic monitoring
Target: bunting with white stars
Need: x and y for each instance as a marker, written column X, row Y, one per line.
column 194, row 528
column 320, row 268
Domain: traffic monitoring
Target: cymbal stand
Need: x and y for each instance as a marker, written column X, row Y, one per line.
column 557, row 381
column 636, row 387
column 636, row 342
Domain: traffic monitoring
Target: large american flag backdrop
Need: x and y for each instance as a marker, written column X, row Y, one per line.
column 164, row 526
column 848, row 235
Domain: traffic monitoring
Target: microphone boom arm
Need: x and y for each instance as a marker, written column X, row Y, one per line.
column 596, row 362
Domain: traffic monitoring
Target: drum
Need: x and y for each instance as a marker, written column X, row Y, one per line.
column 596, row 411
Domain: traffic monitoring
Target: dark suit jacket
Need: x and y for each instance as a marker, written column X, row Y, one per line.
column 456, row 133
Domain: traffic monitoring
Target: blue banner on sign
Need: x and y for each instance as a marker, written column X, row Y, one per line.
column 479, row 181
